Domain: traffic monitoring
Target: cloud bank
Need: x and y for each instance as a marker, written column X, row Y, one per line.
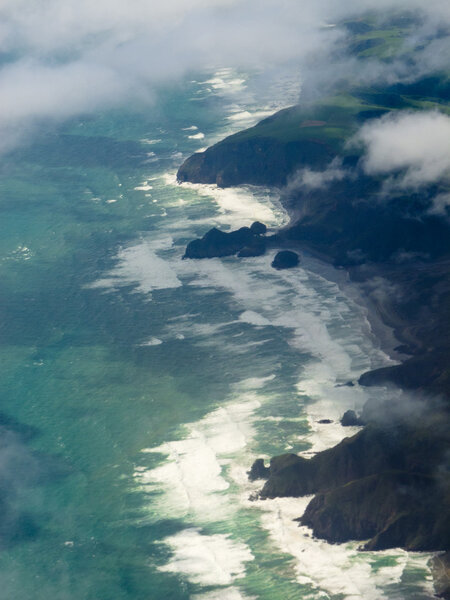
column 412, row 147
column 61, row 58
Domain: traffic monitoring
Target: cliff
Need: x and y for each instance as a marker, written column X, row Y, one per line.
column 380, row 485
column 264, row 155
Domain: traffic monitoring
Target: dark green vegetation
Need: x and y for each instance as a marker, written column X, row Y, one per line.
column 389, row 484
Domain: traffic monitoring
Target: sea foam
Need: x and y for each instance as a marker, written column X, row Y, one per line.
column 139, row 265
column 191, row 480
column 207, row 559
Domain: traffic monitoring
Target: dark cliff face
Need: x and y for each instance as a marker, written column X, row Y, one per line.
column 256, row 161
column 386, row 484
column 441, row 574
column 389, row 509
column 372, row 451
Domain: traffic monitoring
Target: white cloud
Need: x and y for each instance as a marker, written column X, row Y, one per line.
column 59, row 58
column 412, row 147
column 307, row 179
column 440, row 205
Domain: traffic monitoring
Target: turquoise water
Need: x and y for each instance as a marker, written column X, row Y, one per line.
column 145, row 385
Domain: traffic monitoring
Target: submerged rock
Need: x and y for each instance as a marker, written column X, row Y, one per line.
column 285, row 259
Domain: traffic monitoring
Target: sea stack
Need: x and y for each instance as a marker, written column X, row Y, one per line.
column 285, row 259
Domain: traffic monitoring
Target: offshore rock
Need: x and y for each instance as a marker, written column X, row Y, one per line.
column 285, row 259
column 258, row 228
column 216, row 243
column 256, row 248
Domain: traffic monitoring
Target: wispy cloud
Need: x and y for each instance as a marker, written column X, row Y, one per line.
column 59, row 58
column 412, row 148
column 307, row 179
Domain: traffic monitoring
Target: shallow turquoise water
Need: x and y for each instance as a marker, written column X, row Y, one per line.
column 152, row 383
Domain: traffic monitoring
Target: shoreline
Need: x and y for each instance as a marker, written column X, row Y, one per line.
column 388, row 262
column 391, row 332
column 383, row 328
column 384, row 332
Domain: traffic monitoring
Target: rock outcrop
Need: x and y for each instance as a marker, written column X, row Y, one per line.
column 247, row 241
column 258, row 470
column 441, row 573
column 257, row 160
column 386, row 484
column 285, row 259
column 351, row 419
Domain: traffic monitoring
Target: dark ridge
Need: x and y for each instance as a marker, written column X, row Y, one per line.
column 255, row 161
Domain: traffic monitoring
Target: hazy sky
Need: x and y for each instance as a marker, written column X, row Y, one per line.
column 60, row 58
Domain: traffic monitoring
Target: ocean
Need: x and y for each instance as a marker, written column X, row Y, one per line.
column 138, row 388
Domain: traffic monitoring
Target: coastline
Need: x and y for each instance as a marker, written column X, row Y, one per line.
column 386, row 328
column 181, row 451
column 322, row 435
column 391, row 332
column 391, row 258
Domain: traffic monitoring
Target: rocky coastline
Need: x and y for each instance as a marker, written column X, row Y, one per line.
column 388, row 485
